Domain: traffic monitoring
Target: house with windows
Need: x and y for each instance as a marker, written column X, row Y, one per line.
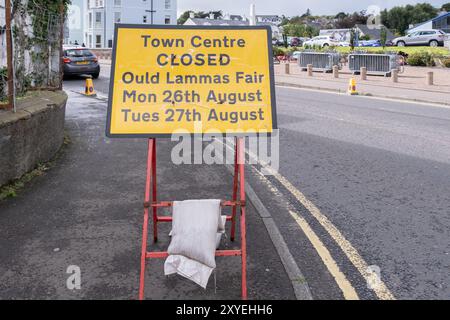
column 442, row 22
column 237, row 20
column 100, row 16
column 362, row 29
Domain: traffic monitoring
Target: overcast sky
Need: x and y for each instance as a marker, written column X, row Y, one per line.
column 292, row 7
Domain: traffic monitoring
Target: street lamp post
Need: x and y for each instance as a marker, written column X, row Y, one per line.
column 152, row 11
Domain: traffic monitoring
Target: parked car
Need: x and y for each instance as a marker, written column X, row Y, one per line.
column 322, row 41
column 432, row 38
column 79, row 61
column 369, row 43
column 295, row 42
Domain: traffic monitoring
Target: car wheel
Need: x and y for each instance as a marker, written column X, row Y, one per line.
column 325, row 45
column 400, row 44
column 433, row 43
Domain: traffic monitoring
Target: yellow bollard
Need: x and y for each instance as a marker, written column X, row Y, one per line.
column 89, row 90
column 352, row 86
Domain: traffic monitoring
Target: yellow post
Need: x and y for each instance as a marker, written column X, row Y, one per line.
column 89, row 90
column 352, row 87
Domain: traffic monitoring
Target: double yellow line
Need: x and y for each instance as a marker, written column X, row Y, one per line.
column 349, row 292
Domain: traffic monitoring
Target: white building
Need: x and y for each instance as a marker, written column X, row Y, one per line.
column 236, row 20
column 75, row 22
column 2, row 34
column 101, row 15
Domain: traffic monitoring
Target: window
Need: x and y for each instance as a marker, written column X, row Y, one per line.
column 90, row 19
column 78, row 53
column 117, row 17
column 98, row 41
column 98, row 19
column 167, row 5
column 144, row 19
column 167, row 20
column 117, row 3
column 90, row 41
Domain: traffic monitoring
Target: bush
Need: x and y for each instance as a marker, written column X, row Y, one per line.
column 423, row 59
column 277, row 51
column 446, row 62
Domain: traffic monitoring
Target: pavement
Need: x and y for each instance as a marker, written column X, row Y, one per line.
column 364, row 183
column 412, row 83
column 87, row 211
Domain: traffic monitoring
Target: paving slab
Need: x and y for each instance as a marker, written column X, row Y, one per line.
column 87, row 211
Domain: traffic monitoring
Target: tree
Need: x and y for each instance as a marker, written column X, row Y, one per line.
column 383, row 36
column 307, row 13
column 446, row 7
column 200, row 14
column 399, row 18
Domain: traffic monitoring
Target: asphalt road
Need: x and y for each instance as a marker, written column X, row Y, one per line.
column 379, row 171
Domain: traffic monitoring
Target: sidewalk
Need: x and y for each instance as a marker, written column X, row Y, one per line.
column 87, row 211
column 411, row 84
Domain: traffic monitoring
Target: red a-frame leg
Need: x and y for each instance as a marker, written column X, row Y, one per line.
column 151, row 186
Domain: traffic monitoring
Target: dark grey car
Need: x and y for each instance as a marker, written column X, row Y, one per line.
column 80, row 61
column 432, row 38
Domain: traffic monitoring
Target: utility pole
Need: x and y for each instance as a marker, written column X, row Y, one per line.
column 9, row 54
column 151, row 11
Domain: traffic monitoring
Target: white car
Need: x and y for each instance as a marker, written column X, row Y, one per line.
column 296, row 54
column 322, row 41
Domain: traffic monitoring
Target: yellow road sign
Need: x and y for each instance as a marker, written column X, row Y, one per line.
column 189, row 79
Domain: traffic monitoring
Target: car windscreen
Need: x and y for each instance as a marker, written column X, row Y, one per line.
column 78, row 53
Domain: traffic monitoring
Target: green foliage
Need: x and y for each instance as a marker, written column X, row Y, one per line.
column 200, row 14
column 299, row 30
column 277, row 51
column 3, row 79
column 383, row 36
column 400, row 17
column 446, row 7
column 345, row 20
column 364, row 37
column 446, row 62
column 352, row 39
column 422, row 58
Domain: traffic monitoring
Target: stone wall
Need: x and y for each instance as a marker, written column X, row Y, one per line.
column 32, row 135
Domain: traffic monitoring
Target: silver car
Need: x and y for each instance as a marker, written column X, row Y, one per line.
column 432, row 38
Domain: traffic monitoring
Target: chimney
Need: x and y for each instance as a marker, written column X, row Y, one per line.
column 227, row 16
column 252, row 21
column 191, row 15
column 211, row 16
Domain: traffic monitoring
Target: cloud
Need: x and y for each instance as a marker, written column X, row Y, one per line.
column 292, row 7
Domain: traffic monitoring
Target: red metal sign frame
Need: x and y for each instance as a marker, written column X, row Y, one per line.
column 151, row 187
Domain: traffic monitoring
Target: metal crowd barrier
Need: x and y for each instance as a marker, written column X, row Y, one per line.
column 374, row 63
column 322, row 61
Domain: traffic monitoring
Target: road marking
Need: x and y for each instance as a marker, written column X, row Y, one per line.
column 345, row 286
column 381, row 290
column 428, row 104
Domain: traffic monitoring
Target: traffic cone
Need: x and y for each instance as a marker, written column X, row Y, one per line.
column 352, row 87
column 89, row 90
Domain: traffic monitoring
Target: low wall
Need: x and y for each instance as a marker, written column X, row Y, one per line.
column 31, row 135
column 105, row 54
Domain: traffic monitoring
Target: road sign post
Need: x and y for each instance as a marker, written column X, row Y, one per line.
column 169, row 80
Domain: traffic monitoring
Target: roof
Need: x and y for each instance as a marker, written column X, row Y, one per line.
column 374, row 32
column 217, row 22
column 439, row 16
column 222, row 22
